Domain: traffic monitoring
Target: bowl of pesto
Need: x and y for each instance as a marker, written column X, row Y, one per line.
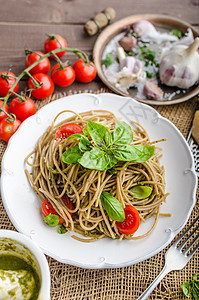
column 24, row 270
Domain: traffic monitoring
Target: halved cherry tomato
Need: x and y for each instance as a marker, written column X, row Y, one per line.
column 2, row 114
column 23, row 109
column 42, row 67
column 63, row 77
column 48, row 209
column 6, row 82
column 7, row 129
column 84, row 72
column 45, row 90
column 66, row 130
column 131, row 222
column 53, row 42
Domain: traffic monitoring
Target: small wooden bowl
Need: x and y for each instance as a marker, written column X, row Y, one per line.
column 112, row 30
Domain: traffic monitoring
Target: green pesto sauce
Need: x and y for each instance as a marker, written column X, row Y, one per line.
column 14, row 263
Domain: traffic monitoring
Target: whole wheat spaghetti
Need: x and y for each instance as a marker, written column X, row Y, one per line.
column 51, row 178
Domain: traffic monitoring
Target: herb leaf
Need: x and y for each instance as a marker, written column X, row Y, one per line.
column 177, row 33
column 108, row 60
column 143, row 152
column 97, row 159
column 112, row 206
column 84, row 143
column 186, row 288
column 125, row 153
column 141, row 191
column 122, row 134
column 52, row 220
column 99, row 133
column 72, row 155
column 62, row 229
column 195, row 293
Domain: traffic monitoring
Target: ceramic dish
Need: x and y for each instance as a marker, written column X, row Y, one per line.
column 24, row 207
column 162, row 23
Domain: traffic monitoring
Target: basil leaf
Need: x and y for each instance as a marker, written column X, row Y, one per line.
column 62, row 229
column 141, row 191
column 84, row 143
column 177, row 33
column 195, row 293
column 99, row 133
column 122, row 134
column 112, row 206
column 186, row 288
column 85, row 131
column 72, row 155
column 52, row 220
column 196, row 283
column 195, row 277
column 143, row 152
column 74, row 136
column 125, row 153
column 97, row 159
column 108, row 60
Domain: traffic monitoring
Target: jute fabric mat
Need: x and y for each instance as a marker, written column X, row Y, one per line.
column 69, row 282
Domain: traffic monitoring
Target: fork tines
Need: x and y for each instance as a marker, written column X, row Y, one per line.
column 189, row 238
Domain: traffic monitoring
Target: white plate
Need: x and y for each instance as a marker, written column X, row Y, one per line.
column 24, row 207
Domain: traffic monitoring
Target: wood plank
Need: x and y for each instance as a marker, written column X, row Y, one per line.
column 78, row 11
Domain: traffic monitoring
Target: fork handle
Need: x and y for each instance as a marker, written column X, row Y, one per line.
column 151, row 287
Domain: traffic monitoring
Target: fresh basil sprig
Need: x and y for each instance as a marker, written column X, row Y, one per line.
column 191, row 287
column 52, row 220
column 112, row 206
column 108, row 147
column 141, row 191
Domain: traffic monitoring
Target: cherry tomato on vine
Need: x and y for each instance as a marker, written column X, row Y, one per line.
column 46, row 88
column 63, row 77
column 85, row 72
column 6, row 82
column 53, row 42
column 22, row 109
column 48, row 209
column 66, row 130
column 7, row 129
column 131, row 222
column 42, row 67
column 2, row 114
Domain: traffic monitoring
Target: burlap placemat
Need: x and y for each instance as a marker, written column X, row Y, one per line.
column 69, row 282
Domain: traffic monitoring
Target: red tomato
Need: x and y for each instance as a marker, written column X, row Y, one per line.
column 6, row 82
column 53, row 42
column 84, row 72
column 22, row 109
column 48, row 209
column 131, row 222
column 2, row 114
column 42, row 67
column 7, row 129
column 45, row 90
column 66, row 130
column 63, row 77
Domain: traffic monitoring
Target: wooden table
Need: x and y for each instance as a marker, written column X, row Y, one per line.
column 24, row 23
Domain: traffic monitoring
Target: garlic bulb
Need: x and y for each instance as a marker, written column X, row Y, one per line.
column 147, row 32
column 179, row 66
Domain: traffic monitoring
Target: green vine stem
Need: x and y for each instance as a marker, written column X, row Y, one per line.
column 79, row 53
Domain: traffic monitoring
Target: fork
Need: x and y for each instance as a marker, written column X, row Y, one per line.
column 176, row 256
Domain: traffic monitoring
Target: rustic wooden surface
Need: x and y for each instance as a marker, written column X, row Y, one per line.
column 24, row 23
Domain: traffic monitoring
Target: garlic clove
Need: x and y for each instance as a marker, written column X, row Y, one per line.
column 127, row 43
column 152, row 91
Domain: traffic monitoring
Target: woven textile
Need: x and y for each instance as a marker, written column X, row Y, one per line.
column 69, row 282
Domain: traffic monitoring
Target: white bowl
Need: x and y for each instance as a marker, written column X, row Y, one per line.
column 26, row 249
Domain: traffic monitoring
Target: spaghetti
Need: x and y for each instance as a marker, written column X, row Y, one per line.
column 51, row 178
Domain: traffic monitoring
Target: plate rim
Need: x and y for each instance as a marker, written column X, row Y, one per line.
column 117, row 27
column 102, row 265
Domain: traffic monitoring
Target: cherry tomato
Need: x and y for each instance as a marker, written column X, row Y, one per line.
column 84, row 72
column 53, row 42
column 66, row 130
column 22, row 109
column 2, row 114
column 6, row 82
column 131, row 222
column 42, row 67
column 63, row 77
column 7, row 129
column 45, row 90
column 48, row 209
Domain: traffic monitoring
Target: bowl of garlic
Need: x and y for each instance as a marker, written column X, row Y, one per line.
column 152, row 58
